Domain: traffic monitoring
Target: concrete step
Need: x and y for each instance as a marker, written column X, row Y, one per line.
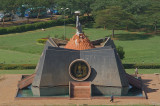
column 80, row 90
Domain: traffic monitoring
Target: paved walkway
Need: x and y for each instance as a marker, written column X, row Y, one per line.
column 8, row 87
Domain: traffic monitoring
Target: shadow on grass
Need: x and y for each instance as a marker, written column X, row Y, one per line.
column 125, row 37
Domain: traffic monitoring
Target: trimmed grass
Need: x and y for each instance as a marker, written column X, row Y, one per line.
column 26, row 42
column 130, row 71
column 143, row 71
column 16, row 57
column 141, row 51
column 17, row 71
column 21, row 48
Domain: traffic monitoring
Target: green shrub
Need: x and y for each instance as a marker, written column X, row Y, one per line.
column 86, row 19
column 43, row 41
column 56, row 36
column 17, row 66
column 141, row 66
column 39, row 25
column 70, row 20
column 29, row 27
column 21, row 28
column 129, row 66
column 12, row 29
column 27, row 66
column 3, row 30
column 120, row 52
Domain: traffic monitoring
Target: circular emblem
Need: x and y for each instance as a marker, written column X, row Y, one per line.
column 79, row 70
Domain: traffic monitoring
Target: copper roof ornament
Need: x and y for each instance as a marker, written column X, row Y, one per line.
column 79, row 41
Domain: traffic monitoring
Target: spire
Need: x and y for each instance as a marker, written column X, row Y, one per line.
column 79, row 41
column 78, row 26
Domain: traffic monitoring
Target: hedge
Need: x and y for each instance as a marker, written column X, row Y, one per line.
column 17, row 66
column 33, row 66
column 141, row 66
column 38, row 25
column 43, row 41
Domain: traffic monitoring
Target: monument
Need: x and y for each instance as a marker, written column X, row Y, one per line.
column 81, row 68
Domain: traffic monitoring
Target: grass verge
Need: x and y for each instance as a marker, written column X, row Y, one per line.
column 143, row 71
column 130, row 71
column 17, row 71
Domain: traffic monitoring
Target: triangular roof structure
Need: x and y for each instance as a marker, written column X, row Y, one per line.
column 107, row 73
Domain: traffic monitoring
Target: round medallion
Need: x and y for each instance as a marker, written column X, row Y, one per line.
column 79, row 70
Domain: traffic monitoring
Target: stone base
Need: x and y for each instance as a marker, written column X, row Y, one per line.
column 79, row 90
column 51, row 91
column 107, row 91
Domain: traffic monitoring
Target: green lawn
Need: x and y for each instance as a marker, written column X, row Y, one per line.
column 16, row 57
column 143, row 71
column 21, row 48
column 17, row 71
column 141, row 50
column 130, row 71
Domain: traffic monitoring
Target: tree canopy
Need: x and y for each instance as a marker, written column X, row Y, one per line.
column 113, row 18
column 143, row 12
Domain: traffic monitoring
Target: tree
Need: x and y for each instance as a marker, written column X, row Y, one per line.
column 112, row 18
column 7, row 6
column 82, row 5
column 135, row 7
column 155, row 20
column 85, row 6
column 102, row 5
column 51, row 4
column 37, row 5
column 153, row 14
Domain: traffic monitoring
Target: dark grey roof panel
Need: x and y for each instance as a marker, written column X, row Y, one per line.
column 121, row 71
column 109, row 42
column 104, row 67
column 57, row 48
column 99, row 48
column 39, row 69
column 56, row 67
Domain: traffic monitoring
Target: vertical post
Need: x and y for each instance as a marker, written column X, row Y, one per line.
column 64, row 26
column 78, row 25
column 64, row 22
column 3, row 21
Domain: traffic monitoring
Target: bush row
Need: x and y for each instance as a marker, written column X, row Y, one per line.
column 17, row 66
column 142, row 66
column 43, row 41
column 33, row 66
column 38, row 25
